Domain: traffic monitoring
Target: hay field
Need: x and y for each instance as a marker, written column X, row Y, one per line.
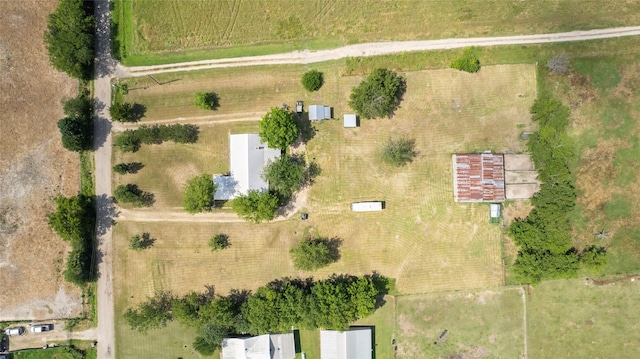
column 149, row 31
column 488, row 324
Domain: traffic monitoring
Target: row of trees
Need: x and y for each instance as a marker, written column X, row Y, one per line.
column 132, row 194
column 74, row 221
column 76, row 129
column 332, row 303
column 70, row 38
column 544, row 237
column 131, row 140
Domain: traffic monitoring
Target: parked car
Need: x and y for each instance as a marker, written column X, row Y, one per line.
column 14, row 331
column 40, row 328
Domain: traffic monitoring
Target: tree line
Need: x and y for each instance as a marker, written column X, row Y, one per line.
column 131, row 140
column 331, row 303
column 74, row 220
column 544, row 236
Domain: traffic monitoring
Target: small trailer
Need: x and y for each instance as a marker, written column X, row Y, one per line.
column 370, row 206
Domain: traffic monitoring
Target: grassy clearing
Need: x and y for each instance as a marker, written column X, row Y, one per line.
column 54, row 353
column 479, row 324
column 243, row 93
column 173, row 341
column 86, row 173
column 568, row 318
column 152, row 32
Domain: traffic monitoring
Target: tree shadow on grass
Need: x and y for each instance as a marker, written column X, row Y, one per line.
column 138, row 111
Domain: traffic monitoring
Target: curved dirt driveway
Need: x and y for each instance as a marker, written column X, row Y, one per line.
column 378, row 48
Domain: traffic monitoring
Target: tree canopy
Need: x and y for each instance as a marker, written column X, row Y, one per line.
column 77, row 133
column 314, row 253
column 545, row 235
column 312, row 80
column 398, row 151
column 198, row 194
column 74, row 221
column 278, row 128
column 70, row 38
column 256, row 206
column 151, row 314
column 130, row 193
column 379, row 95
column 206, row 100
column 285, row 175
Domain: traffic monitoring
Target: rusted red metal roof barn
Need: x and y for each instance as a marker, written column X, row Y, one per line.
column 478, row 177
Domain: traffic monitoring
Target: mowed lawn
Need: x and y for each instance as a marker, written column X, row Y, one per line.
column 149, row 31
column 487, row 324
column 168, row 166
column 423, row 239
column 573, row 319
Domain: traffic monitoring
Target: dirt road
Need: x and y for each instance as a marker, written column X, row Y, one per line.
column 104, row 203
column 378, row 48
column 38, row 340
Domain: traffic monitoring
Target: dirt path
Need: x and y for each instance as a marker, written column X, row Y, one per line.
column 38, row 340
column 377, row 48
column 196, row 120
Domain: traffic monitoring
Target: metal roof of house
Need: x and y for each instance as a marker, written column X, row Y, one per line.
column 248, row 156
column 319, row 112
column 478, row 177
column 353, row 344
column 274, row 346
column 350, row 120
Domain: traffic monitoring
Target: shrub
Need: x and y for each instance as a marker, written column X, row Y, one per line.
column 130, row 193
column 468, row 62
column 398, row 152
column 121, row 168
column 219, row 242
column 77, row 133
column 121, row 111
column 594, row 258
column 206, row 100
column 379, row 95
column 141, row 241
column 559, row 64
column 312, row 80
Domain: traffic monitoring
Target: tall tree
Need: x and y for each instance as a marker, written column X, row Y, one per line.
column 279, row 129
column 198, row 194
column 70, row 38
column 379, row 95
column 256, row 206
column 77, row 133
column 285, row 175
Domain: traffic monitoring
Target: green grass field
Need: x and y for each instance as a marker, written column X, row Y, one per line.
column 53, row 353
column 151, row 32
column 486, row 324
column 570, row 319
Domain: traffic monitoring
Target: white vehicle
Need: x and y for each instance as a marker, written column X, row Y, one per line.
column 40, row 328
column 14, row 331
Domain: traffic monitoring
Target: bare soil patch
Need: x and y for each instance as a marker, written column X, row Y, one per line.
column 33, row 168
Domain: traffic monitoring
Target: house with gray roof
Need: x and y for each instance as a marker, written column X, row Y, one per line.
column 355, row 343
column 247, row 157
column 266, row 346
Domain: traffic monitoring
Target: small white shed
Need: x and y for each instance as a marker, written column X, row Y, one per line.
column 350, row 120
column 494, row 210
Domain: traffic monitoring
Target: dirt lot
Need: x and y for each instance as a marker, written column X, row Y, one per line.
column 33, row 168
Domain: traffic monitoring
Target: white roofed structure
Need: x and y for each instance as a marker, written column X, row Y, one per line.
column 267, row 346
column 350, row 121
column 247, row 157
column 367, row 206
column 319, row 112
column 356, row 343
